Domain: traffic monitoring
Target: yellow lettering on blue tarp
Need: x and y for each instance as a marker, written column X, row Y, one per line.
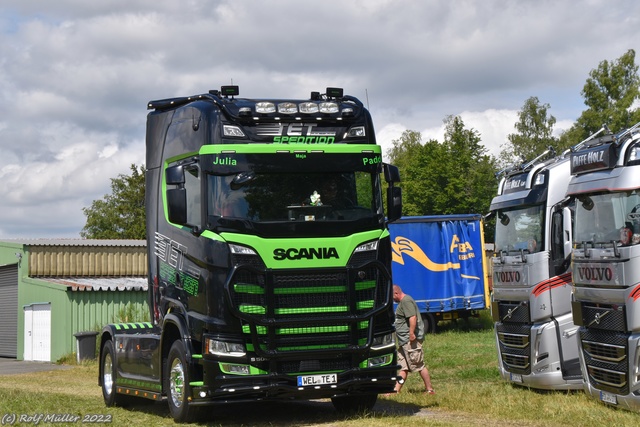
column 402, row 246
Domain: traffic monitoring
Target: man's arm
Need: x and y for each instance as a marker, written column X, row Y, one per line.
column 413, row 322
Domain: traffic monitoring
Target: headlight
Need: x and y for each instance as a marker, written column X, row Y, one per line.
column 384, row 341
column 369, row 246
column 241, row 250
column 223, row 348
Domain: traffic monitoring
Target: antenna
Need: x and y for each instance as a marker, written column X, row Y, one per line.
column 366, row 93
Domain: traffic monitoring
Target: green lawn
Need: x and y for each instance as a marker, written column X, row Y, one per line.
column 461, row 358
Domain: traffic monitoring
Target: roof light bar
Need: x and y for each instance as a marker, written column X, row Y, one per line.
column 287, row 108
column 264, row 107
column 308, row 107
column 328, row 107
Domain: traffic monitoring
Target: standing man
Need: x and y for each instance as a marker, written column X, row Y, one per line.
column 410, row 334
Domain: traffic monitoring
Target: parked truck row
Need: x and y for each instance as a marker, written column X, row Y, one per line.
column 566, row 270
column 271, row 257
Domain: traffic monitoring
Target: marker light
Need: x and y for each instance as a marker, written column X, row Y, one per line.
column 634, row 155
column 347, row 112
column 265, row 107
column 328, row 107
column 287, row 108
column 233, row 131
column 308, row 107
column 356, row 132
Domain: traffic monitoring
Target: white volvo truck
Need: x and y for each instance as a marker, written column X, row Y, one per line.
column 531, row 301
column 606, row 264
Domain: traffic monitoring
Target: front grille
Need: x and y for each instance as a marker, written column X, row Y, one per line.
column 605, row 355
column 516, row 363
column 286, row 311
column 514, row 312
column 606, row 378
column 515, row 347
column 604, row 316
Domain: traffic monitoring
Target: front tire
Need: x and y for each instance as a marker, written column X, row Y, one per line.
column 178, row 389
column 354, row 404
column 108, row 376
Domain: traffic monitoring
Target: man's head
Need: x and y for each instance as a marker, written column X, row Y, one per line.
column 397, row 293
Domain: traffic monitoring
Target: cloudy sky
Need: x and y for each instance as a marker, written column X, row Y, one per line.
column 75, row 75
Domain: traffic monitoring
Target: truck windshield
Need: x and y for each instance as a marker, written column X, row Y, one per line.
column 520, row 229
column 608, row 217
column 295, row 197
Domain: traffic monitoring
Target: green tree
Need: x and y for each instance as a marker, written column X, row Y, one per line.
column 121, row 214
column 609, row 94
column 455, row 176
column 534, row 134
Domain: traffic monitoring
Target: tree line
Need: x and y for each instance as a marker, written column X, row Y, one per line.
column 456, row 175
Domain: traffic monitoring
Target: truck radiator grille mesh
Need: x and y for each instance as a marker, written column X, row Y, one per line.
column 604, row 316
column 605, row 355
column 514, row 312
column 325, row 309
column 515, row 347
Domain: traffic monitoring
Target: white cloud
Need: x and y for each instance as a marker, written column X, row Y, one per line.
column 75, row 77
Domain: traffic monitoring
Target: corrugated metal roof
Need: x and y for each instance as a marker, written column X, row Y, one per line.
column 77, row 242
column 101, row 284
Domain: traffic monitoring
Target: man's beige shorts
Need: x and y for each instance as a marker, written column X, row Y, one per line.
column 411, row 357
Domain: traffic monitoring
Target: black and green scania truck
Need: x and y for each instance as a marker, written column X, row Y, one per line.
column 269, row 257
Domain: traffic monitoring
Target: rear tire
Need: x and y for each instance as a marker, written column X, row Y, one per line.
column 354, row 404
column 430, row 323
column 177, row 381
column 108, row 376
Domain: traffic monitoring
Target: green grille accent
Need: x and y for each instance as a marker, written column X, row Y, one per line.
column 312, row 330
column 368, row 284
column 361, row 305
column 196, row 383
column 252, row 309
column 310, row 310
column 248, row 289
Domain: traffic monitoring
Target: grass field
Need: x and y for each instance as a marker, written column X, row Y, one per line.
column 462, row 360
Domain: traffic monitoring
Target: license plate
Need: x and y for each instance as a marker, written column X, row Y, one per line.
column 608, row 398
column 516, row 378
column 311, row 380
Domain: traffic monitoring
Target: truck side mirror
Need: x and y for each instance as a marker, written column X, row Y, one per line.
column 567, row 235
column 176, row 197
column 174, row 175
column 391, row 173
column 394, row 203
column 177, row 205
column 394, row 194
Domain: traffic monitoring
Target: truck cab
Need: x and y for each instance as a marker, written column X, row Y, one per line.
column 605, row 186
column 269, row 256
column 531, row 300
